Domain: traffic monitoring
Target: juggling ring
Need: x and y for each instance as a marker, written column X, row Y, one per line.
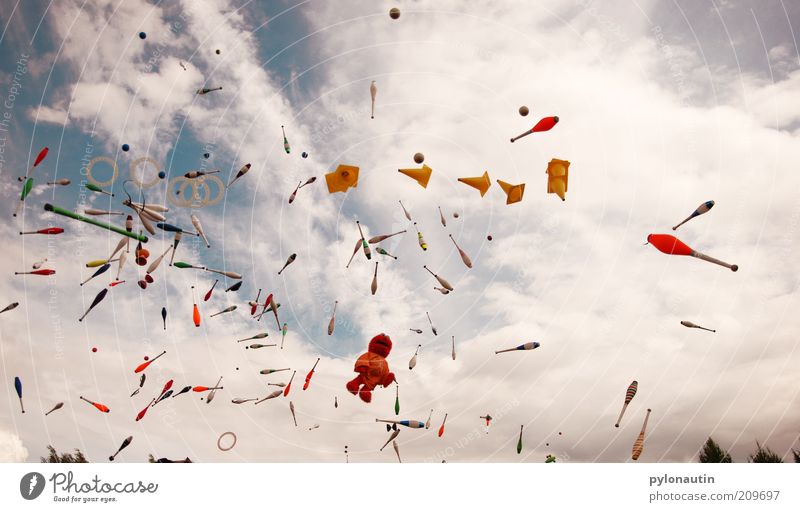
column 107, row 160
column 195, row 183
column 219, row 441
column 220, row 189
column 134, row 176
column 182, row 182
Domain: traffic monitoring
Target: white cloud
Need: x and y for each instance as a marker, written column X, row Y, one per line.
column 11, row 448
column 45, row 114
column 571, row 275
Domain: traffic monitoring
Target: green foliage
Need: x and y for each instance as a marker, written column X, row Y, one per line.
column 712, row 453
column 54, row 456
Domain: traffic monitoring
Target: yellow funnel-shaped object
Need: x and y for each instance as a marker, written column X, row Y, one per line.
column 344, row 177
column 482, row 183
column 421, row 175
column 558, row 177
column 514, row 193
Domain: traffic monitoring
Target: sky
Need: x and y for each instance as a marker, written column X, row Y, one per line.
column 662, row 106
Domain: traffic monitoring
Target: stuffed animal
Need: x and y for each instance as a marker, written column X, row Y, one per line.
column 372, row 368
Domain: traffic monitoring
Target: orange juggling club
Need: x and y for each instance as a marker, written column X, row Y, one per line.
column 166, row 387
column 668, row 244
column 100, row 407
column 39, row 158
column 142, row 367
column 310, row 374
column 40, row 272
column 45, row 231
column 201, row 389
column 195, row 311
column 441, row 429
column 254, row 304
column 289, row 386
column 544, row 124
column 144, row 411
column 210, row 291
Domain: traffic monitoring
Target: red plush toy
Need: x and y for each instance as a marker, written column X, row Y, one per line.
column 372, row 368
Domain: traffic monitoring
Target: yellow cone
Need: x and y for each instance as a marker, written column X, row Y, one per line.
column 558, row 177
column 421, row 175
column 344, row 177
column 481, row 183
column 513, row 192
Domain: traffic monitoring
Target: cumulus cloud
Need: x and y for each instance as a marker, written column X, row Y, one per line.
column 11, row 448
column 45, row 114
